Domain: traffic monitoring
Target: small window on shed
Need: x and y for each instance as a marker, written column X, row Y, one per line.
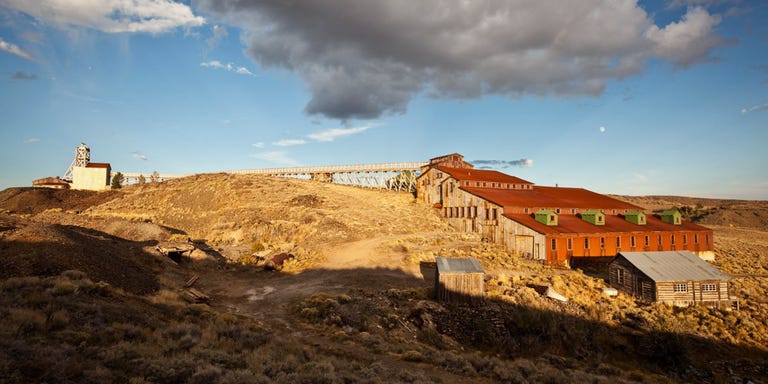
column 681, row 287
column 599, row 219
column 708, row 287
column 620, row 276
column 551, row 217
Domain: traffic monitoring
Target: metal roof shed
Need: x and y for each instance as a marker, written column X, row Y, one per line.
column 675, row 277
column 459, row 280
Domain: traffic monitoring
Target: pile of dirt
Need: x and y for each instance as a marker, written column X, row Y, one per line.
column 29, row 200
column 720, row 212
column 41, row 249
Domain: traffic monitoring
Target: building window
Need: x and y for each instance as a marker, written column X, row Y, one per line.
column 618, row 242
column 477, row 183
column 673, row 239
column 681, row 287
column 507, row 185
column 696, row 238
column 685, row 239
column 659, row 240
column 475, row 211
column 439, row 175
column 706, row 238
column 569, row 244
column 646, row 240
column 620, row 276
column 573, row 211
column 599, row 219
column 495, row 214
column 632, row 241
column 586, row 243
column 554, row 244
column 461, row 213
column 483, row 183
column 557, row 210
column 451, row 187
column 552, row 218
column 708, row 287
column 525, row 210
column 602, row 242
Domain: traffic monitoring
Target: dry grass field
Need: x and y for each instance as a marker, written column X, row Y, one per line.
column 85, row 297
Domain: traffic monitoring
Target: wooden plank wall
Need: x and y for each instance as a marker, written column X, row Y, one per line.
column 460, row 287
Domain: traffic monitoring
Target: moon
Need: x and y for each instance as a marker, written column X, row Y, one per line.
column 602, row 129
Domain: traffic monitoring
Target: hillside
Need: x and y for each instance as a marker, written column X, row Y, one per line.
column 85, row 295
column 719, row 212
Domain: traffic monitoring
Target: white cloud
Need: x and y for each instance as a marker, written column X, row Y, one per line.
column 139, row 155
column 14, row 49
column 335, row 133
column 31, row 140
column 112, row 16
column 258, row 145
column 688, row 41
column 754, row 108
column 229, row 67
column 289, row 142
column 276, row 157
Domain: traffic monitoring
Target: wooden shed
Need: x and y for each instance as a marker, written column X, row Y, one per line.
column 679, row 278
column 459, row 280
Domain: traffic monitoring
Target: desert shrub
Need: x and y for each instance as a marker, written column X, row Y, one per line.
column 74, row 274
column 412, row 356
column 58, row 320
column 207, row 374
column 63, row 288
column 14, row 283
column 27, row 321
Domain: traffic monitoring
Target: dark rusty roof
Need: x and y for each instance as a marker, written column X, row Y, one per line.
column 673, row 266
column 470, row 174
column 572, row 224
column 550, row 197
column 98, row 165
column 446, row 265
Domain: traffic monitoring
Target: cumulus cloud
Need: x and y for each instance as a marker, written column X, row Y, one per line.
column 228, row 67
column 139, row 155
column 688, row 41
column 289, row 142
column 335, row 133
column 23, row 76
column 361, row 59
column 13, row 49
column 113, row 16
column 754, row 108
column 488, row 164
column 276, row 157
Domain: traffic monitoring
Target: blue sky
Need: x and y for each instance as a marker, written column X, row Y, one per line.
column 616, row 96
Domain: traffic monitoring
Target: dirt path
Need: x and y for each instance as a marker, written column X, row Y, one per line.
column 268, row 296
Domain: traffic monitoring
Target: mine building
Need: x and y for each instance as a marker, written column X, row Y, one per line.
column 555, row 225
column 92, row 177
column 459, row 280
column 678, row 278
column 50, row 182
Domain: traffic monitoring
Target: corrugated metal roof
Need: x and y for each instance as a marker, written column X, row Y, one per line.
column 471, row 174
column 572, row 224
column 673, row 266
column 455, row 265
column 550, row 197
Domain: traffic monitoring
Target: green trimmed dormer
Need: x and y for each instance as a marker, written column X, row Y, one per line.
column 593, row 217
column 546, row 217
column 635, row 217
column 672, row 216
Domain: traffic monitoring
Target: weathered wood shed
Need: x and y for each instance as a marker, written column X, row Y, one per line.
column 674, row 277
column 459, row 280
